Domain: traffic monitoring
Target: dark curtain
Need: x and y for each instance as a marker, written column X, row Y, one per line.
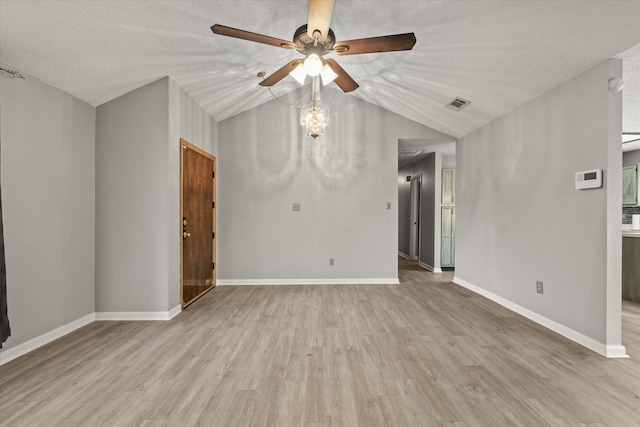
column 5, row 329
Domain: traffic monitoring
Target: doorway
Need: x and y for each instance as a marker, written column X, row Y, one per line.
column 197, row 222
column 414, row 236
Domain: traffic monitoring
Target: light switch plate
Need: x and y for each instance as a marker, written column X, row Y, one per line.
column 296, row 207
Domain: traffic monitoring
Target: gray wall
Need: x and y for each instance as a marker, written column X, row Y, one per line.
column 131, row 201
column 342, row 181
column 48, row 190
column 138, row 190
column 430, row 211
column 448, row 161
column 519, row 218
column 631, row 158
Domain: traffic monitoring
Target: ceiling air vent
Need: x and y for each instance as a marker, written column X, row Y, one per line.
column 458, row 104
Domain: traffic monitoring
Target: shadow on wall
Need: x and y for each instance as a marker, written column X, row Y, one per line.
column 340, row 155
column 278, row 150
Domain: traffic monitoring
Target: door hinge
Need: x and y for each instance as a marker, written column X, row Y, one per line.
column 213, row 265
column 213, row 174
column 213, row 205
column 213, row 235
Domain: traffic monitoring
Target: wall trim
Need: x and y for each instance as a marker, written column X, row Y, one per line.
column 403, row 255
column 12, row 353
column 616, row 352
column 611, row 351
column 175, row 311
column 429, row 267
column 138, row 315
column 262, row 282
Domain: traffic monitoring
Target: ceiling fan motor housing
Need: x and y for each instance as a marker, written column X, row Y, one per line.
column 305, row 44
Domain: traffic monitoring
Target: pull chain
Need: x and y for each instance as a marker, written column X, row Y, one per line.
column 288, row 104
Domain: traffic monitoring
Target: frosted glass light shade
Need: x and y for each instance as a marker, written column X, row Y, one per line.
column 299, row 73
column 327, row 74
column 313, row 65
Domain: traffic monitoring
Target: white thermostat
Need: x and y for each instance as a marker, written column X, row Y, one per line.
column 589, row 179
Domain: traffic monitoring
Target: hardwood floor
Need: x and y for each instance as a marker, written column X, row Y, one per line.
column 423, row 353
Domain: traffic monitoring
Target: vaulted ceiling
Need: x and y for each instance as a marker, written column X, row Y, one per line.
column 497, row 54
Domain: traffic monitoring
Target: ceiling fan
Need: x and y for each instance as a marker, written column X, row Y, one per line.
column 316, row 39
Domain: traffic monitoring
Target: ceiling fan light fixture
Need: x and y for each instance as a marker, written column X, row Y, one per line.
column 316, row 39
column 299, row 73
column 313, row 65
column 327, row 74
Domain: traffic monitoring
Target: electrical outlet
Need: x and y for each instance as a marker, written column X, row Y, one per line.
column 539, row 287
column 296, row 207
column 330, row 261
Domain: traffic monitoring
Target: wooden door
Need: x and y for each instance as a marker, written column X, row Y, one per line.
column 197, row 222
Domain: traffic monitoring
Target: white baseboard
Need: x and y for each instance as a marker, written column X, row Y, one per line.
column 403, row 255
column 429, row 267
column 175, row 311
column 611, row 351
column 12, row 353
column 616, row 352
column 7, row 355
column 138, row 315
column 262, row 282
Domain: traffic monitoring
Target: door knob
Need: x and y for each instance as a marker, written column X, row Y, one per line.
column 185, row 235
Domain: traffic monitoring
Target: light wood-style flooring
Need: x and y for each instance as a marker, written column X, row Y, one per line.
column 422, row 353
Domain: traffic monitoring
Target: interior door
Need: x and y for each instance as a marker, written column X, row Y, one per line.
column 414, row 237
column 198, row 219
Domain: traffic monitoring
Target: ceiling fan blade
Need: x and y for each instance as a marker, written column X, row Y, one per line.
column 320, row 12
column 254, row 37
column 280, row 74
column 390, row 43
column 344, row 80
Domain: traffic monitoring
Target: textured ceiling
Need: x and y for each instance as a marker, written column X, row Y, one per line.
column 496, row 54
